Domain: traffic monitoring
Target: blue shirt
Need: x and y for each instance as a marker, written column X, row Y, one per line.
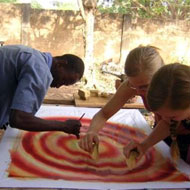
column 24, row 79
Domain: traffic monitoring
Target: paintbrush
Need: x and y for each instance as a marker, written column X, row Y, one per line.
column 78, row 137
column 81, row 116
column 95, row 152
column 131, row 161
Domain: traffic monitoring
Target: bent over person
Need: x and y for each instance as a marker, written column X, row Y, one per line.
column 25, row 76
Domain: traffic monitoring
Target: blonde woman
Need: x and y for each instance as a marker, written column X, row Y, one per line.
column 141, row 64
column 169, row 97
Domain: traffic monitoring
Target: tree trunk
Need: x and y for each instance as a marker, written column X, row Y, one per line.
column 87, row 8
column 124, row 38
column 89, row 49
column 26, row 8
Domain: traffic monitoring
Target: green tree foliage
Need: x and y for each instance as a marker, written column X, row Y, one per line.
column 167, row 9
column 8, row 1
column 56, row 5
column 35, row 5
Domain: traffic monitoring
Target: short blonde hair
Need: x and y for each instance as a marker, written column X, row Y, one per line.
column 143, row 59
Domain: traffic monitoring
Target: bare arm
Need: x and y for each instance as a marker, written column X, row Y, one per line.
column 160, row 132
column 116, row 102
column 27, row 121
column 123, row 94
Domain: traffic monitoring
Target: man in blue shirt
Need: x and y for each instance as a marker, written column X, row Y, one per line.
column 25, row 76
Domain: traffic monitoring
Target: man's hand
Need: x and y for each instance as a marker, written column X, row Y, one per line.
column 73, row 127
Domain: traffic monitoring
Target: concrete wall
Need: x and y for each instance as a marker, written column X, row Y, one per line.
column 10, row 23
column 61, row 32
column 172, row 37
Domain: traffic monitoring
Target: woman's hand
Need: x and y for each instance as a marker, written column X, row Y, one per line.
column 134, row 146
column 88, row 141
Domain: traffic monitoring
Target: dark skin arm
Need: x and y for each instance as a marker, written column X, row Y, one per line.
column 27, row 121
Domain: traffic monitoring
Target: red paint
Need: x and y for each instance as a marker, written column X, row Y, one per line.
column 76, row 164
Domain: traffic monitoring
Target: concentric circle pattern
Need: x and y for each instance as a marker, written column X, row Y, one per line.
column 56, row 155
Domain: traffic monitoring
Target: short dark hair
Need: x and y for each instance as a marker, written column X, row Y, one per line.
column 71, row 63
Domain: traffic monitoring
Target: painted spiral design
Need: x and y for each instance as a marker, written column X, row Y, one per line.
column 56, row 155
